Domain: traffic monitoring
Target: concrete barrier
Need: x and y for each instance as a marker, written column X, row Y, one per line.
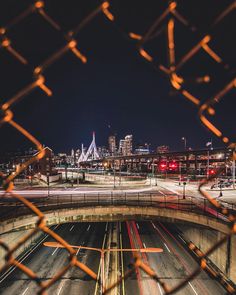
column 11, row 239
column 223, row 257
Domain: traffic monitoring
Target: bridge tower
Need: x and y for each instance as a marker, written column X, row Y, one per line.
column 92, row 152
column 82, row 155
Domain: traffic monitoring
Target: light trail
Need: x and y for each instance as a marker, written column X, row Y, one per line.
column 71, row 227
column 25, row 291
column 192, row 288
column 167, row 247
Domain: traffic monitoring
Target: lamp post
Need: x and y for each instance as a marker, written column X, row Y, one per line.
column 114, row 173
column 185, row 142
column 220, row 186
column 152, row 171
column 184, row 184
column 48, row 182
column 102, row 253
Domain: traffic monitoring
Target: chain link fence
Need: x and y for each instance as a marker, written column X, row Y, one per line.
column 171, row 24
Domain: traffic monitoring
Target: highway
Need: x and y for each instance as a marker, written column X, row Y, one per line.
column 172, row 265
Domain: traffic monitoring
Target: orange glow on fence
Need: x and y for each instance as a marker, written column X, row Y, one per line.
column 17, row 55
column 135, row 36
column 211, row 111
column 72, row 45
column 190, row 97
column 172, row 6
column 6, row 42
column 2, row 31
column 205, row 40
column 193, row 51
column 40, row 83
column 225, row 90
column 171, row 43
column 8, row 116
column 210, row 126
column 144, row 54
column 39, row 4
column 175, row 84
column 212, row 53
column 176, row 81
column 37, row 70
column 105, row 10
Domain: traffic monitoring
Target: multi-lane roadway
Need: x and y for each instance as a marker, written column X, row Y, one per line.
column 172, row 265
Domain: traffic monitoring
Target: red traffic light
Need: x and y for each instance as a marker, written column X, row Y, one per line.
column 212, row 172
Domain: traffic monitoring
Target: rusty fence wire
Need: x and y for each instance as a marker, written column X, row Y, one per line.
column 165, row 24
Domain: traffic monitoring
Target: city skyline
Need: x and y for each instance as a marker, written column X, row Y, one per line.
column 126, row 94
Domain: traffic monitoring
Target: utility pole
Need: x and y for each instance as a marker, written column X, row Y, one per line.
column 184, row 184
column 185, row 142
column 48, row 182
column 208, row 156
column 114, row 172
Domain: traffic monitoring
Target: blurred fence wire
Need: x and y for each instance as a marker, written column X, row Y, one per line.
column 165, row 24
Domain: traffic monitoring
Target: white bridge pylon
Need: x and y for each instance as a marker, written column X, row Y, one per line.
column 82, row 155
column 91, row 154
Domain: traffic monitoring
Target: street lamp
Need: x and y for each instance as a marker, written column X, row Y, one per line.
column 185, row 142
column 220, row 185
column 114, row 174
column 102, row 252
column 48, row 180
column 184, row 184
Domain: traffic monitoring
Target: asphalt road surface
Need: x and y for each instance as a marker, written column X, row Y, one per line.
column 173, row 265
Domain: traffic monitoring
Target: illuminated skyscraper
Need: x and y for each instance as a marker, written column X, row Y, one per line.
column 112, row 144
column 126, row 145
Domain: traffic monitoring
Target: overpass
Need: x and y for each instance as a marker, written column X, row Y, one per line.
column 189, row 160
column 112, row 207
column 129, row 206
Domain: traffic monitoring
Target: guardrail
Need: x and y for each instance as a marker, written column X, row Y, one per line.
column 11, row 208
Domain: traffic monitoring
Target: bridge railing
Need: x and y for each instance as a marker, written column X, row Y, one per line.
column 11, row 209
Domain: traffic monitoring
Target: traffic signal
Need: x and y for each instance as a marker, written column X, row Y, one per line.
column 173, row 166
column 162, row 166
column 212, row 171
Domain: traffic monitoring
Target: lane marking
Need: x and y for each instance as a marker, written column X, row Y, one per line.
column 4, row 276
column 99, row 267
column 25, row 291
column 161, row 193
column 167, row 247
column 181, row 239
column 193, row 288
column 71, row 227
column 77, row 251
column 54, row 251
column 88, row 228
column 160, row 289
column 180, row 258
column 59, row 291
column 153, row 225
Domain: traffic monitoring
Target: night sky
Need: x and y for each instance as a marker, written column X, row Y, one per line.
column 116, row 91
